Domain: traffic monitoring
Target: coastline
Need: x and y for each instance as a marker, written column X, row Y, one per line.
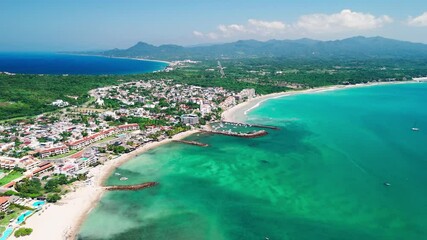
column 239, row 112
column 130, row 58
column 77, row 204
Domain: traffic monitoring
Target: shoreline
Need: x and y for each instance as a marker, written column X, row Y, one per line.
column 84, row 197
column 77, row 204
column 239, row 112
column 130, row 58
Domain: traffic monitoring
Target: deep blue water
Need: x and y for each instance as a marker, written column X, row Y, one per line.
column 55, row 63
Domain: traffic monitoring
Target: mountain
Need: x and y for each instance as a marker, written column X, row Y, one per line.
column 355, row 47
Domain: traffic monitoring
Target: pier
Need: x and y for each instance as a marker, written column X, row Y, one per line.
column 243, row 135
column 192, row 143
column 131, row 187
column 251, row 125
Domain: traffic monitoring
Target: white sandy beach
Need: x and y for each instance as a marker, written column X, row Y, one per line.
column 238, row 113
column 63, row 219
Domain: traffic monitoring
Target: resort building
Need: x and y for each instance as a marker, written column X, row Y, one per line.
column 84, row 163
column 81, row 143
column 191, row 119
column 27, row 162
column 4, row 203
column 128, row 127
column 44, row 153
column 67, row 169
column 44, row 167
column 7, row 162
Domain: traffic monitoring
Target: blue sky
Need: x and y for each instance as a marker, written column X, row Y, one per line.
column 40, row 25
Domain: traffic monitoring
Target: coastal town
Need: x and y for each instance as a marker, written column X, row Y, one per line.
column 42, row 159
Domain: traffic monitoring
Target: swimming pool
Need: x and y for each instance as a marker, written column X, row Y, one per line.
column 38, row 204
column 6, row 233
column 23, row 216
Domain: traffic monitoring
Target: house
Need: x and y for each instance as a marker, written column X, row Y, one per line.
column 60, row 103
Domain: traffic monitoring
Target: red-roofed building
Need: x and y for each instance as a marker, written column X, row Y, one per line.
column 68, row 169
column 4, row 203
column 53, row 151
column 43, row 168
column 9, row 185
column 81, row 143
column 27, row 162
column 128, row 127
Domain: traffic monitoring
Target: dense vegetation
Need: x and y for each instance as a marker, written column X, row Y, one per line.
column 51, row 188
column 356, row 47
column 28, row 95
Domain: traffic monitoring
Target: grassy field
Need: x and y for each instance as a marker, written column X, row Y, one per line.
column 10, row 177
column 71, row 152
column 6, row 220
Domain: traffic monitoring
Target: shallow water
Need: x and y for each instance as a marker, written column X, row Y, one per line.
column 321, row 176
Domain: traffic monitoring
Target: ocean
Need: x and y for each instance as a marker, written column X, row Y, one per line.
column 321, row 176
column 56, row 63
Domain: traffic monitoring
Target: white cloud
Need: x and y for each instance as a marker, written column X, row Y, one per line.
column 198, row 34
column 420, row 21
column 342, row 21
column 275, row 25
column 252, row 27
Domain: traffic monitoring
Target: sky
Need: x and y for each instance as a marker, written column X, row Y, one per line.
column 67, row 25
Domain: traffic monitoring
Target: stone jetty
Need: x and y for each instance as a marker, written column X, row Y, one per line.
column 243, row 135
column 192, row 143
column 251, row 125
column 131, row 187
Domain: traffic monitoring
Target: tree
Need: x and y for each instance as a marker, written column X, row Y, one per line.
column 23, row 232
column 53, row 198
column 62, row 179
column 29, row 187
column 10, row 193
column 51, row 186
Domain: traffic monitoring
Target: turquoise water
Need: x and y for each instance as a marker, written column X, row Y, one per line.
column 6, row 233
column 55, row 63
column 23, row 216
column 321, row 176
column 38, row 204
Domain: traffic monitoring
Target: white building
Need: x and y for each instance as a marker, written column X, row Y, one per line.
column 60, row 103
column 190, row 119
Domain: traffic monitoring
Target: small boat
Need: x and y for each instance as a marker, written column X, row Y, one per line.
column 123, row 178
column 415, row 129
column 387, row 184
column 117, row 174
